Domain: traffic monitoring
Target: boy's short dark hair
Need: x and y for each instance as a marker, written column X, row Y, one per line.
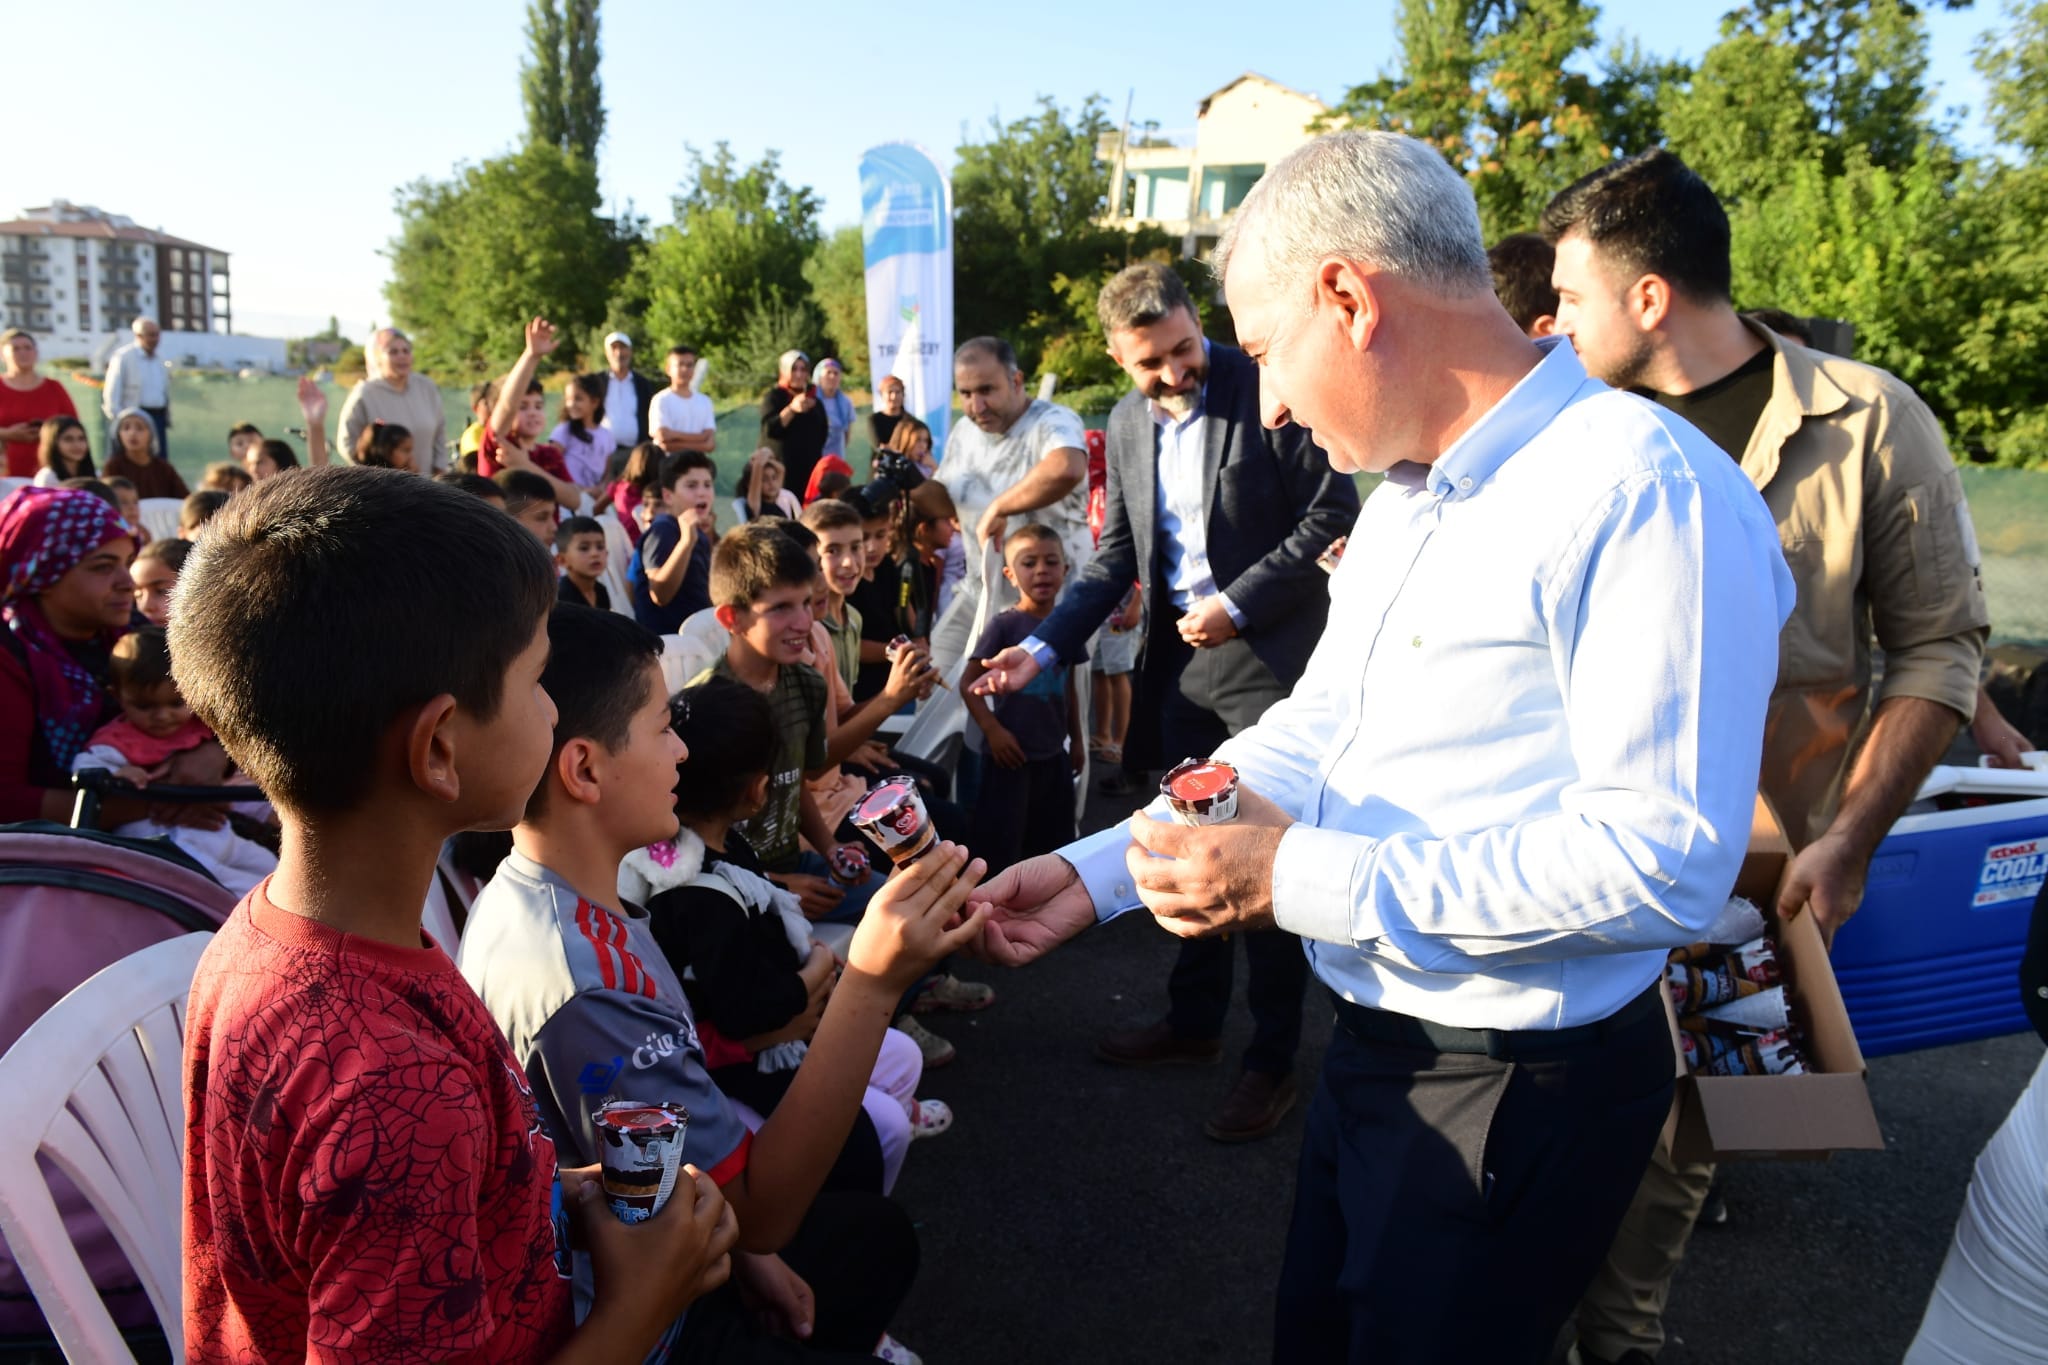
column 1036, row 530
column 682, row 350
column 833, row 482
column 244, row 429
column 483, row 391
column 729, row 729
column 141, row 658
column 200, row 508
column 100, row 489
column 1521, row 277
column 597, row 678
column 572, row 527
column 830, row 514
column 753, row 560
column 522, row 488
column 318, row 608
column 682, row 462
column 120, row 483
column 476, row 485
column 874, row 501
column 1649, row 215
column 173, row 553
column 806, row 539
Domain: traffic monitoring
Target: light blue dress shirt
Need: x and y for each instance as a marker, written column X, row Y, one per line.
column 1524, row 756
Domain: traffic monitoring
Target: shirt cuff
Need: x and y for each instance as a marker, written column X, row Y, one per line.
column 1236, row 616
column 1099, row 859
column 1319, row 886
column 1043, row 654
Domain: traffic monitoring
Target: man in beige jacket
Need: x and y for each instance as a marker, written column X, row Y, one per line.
column 1872, row 520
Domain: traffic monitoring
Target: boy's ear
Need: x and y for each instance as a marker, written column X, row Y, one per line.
column 575, row 768
column 430, row 750
column 1009, row 577
column 757, row 792
column 727, row 614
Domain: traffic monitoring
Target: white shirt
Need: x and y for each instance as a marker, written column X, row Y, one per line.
column 135, row 379
column 1181, row 507
column 687, row 415
column 1524, row 755
column 622, row 409
column 980, row 467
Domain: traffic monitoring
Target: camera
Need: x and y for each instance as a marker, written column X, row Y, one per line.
column 897, row 470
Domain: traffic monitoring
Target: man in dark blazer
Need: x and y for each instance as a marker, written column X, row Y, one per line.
column 625, row 420
column 1220, row 521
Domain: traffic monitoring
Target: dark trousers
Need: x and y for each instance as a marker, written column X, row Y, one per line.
column 859, row 1167
column 1452, row 1206
column 1022, row 812
column 1203, row 697
column 857, row 1252
column 160, row 418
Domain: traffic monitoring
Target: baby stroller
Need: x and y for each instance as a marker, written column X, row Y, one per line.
column 74, row 900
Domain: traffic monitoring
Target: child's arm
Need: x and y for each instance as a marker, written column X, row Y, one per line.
column 1002, row 745
column 540, row 341
column 313, row 407
column 910, row 677
column 1077, row 742
column 665, row 580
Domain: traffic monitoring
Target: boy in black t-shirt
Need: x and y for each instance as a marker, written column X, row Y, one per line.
column 1033, row 738
column 580, row 555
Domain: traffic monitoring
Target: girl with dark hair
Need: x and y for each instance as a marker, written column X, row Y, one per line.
column 64, row 451
column 641, row 478
column 586, row 445
column 385, row 445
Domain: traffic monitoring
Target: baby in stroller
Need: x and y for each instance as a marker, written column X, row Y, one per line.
column 155, row 723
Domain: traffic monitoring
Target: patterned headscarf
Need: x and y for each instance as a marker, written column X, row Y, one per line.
column 44, row 534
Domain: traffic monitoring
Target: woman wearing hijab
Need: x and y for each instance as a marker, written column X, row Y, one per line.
column 793, row 423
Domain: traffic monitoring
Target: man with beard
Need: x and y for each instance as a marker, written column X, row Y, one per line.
column 1871, row 515
column 1220, row 521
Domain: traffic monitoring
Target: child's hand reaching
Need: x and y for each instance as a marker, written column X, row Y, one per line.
column 1003, row 746
column 906, row 927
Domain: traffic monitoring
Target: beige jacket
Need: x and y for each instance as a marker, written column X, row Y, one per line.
column 1871, row 515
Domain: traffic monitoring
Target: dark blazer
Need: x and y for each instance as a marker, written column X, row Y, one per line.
column 644, row 390
column 1274, row 505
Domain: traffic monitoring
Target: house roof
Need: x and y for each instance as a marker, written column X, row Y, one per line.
column 105, row 231
column 1263, row 80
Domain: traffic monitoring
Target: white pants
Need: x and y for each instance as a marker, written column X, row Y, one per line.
column 1991, row 1302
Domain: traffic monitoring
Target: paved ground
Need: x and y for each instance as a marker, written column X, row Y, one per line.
column 1076, row 1212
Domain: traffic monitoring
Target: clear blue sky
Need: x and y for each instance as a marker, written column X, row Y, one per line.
column 239, row 126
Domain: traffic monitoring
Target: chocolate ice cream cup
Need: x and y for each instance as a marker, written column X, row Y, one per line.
column 1201, row 791
column 893, row 816
column 640, row 1148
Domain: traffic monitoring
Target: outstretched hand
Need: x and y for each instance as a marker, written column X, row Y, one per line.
column 540, row 336
column 312, row 401
column 1009, row 671
column 1033, row 907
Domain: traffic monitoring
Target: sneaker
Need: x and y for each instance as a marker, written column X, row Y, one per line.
column 888, row 1348
column 952, row 995
column 937, row 1051
column 932, row 1118
column 1713, row 1210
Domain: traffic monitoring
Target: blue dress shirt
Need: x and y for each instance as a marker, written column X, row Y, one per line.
column 1524, row 756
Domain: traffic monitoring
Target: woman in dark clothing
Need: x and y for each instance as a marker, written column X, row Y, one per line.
column 793, row 422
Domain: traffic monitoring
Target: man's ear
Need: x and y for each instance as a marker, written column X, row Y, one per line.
column 575, row 768
column 1343, row 285
column 726, row 615
column 1649, row 302
column 430, row 749
column 1544, row 325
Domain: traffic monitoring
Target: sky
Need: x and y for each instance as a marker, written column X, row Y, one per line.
column 238, row 126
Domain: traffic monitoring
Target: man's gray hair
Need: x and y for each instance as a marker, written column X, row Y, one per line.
column 995, row 348
column 1140, row 295
column 1380, row 198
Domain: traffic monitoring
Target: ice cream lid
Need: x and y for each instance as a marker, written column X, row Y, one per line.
column 635, row 1118
column 1198, row 781
column 890, row 793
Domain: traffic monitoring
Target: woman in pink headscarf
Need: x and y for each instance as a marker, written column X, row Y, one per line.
column 65, row 597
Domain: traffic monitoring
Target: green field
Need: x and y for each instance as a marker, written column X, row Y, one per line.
column 2010, row 506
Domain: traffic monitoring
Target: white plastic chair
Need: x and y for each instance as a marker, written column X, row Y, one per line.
column 9, row 484
column 160, row 517
column 618, row 553
column 96, row 1087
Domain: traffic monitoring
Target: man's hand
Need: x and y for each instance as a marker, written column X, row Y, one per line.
column 911, row 676
column 915, row 919
column 540, row 337
column 312, row 402
column 1010, row 671
column 647, row 1273
column 1032, row 908
column 1212, row 878
column 818, row 896
column 1003, row 746
column 1207, row 624
column 992, row 526
column 2000, row 740
column 205, row 765
column 775, row 1296
column 1827, row 877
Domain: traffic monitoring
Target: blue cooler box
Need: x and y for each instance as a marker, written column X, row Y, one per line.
column 1933, row 955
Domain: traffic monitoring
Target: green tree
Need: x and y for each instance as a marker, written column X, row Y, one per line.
column 502, row 240
column 838, row 277
column 733, row 257
column 1027, row 210
column 559, row 84
column 1499, row 87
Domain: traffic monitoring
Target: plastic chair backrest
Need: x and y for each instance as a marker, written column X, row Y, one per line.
column 160, row 517
column 9, row 484
column 96, row 1088
column 618, row 553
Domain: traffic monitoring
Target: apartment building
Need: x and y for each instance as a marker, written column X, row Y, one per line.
column 76, row 276
column 1189, row 183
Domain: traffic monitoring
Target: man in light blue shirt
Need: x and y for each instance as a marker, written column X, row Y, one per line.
column 1519, row 768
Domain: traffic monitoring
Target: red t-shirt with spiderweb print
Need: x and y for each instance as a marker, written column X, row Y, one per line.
column 366, row 1178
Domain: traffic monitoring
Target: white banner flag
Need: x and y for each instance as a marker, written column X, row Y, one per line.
column 906, row 228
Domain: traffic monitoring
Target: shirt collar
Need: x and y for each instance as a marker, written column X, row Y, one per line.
column 1164, row 418
column 1511, row 423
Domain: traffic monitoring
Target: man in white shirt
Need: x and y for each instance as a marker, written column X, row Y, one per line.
column 678, row 418
column 1519, row 767
column 1014, row 455
column 137, row 377
column 628, row 394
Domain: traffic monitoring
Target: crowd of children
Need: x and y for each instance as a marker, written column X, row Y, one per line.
column 390, row 1140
